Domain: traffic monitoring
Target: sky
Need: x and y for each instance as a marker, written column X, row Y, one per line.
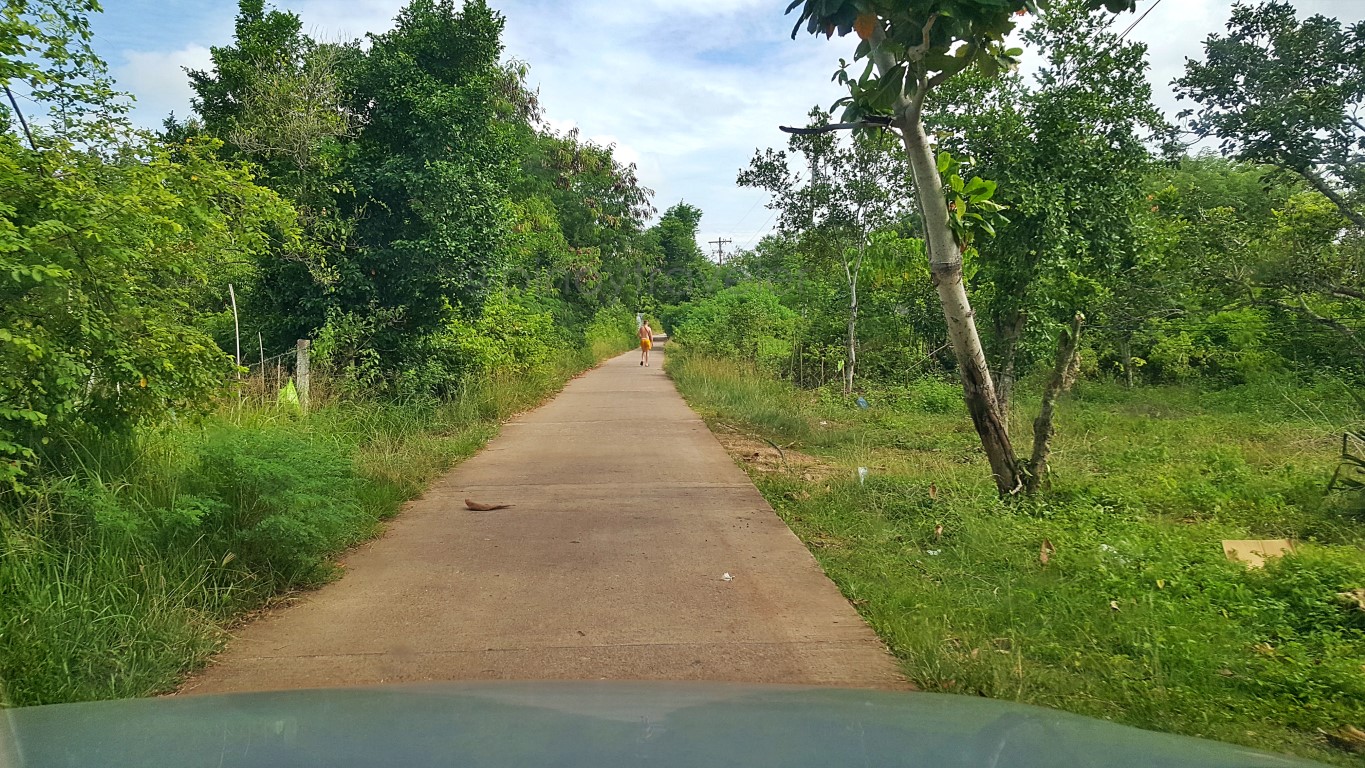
column 686, row 90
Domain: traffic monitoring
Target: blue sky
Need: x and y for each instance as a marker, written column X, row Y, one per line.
column 686, row 90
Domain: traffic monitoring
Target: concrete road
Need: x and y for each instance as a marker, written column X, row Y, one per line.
column 610, row 566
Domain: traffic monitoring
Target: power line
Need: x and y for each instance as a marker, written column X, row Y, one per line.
column 745, row 217
column 760, row 231
column 1144, row 15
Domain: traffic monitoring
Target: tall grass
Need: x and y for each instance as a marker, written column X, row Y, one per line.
column 118, row 576
column 1137, row 615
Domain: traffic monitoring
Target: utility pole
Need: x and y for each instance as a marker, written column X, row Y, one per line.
column 720, row 249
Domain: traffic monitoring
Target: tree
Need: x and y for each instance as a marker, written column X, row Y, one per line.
column 46, row 44
column 109, row 243
column 913, row 47
column 599, row 209
column 1070, row 157
column 686, row 272
column 276, row 98
column 846, row 192
column 264, row 42
column 431, row 171
column 1287, row 93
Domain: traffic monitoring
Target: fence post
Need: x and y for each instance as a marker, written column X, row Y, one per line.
column 301, row 373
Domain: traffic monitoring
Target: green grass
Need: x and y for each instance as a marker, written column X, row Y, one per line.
column 119, row 577
column 1137, row 617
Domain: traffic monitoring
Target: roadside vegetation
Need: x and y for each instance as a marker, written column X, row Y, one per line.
column 165, row 469
column 1175, row 336
column 1110, row 595
column 122, row 572
column 967, row 259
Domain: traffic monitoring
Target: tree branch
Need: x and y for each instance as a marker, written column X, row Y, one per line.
column 1063, row 376
column 917, row 53
column 872, row 121
column 1320, row 184
column 945, row 75
column 1303, row 309
column 1346, row 292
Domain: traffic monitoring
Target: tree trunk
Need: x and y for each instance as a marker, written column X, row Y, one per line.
column 945, row 266
column 1126, row 354
column 1009, row 335
column 852, row 340
column 1063, row 376
column 852, row 274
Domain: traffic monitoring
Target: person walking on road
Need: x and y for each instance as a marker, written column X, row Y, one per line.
column 646, row 342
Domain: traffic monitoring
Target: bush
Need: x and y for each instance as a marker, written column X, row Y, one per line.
column 512, row 334
column 929, row 395
column 1234, row 346
column 611, row 330
column 746, row 322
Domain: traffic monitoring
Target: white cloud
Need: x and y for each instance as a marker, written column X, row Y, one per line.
column 158, row 80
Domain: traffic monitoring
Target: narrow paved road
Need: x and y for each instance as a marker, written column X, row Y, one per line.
column 610, row 566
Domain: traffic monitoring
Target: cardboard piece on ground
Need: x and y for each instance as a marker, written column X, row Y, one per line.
column 1254, row 552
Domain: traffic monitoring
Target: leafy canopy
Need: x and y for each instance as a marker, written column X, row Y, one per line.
column 924, row 42
column 1287, row 93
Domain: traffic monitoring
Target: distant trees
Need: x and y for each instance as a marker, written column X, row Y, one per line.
column 1289, row 93
column 832, row 196
column 684, row 272
column 426, row 184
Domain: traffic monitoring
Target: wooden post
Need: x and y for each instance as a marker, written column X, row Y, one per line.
column 301, row 373
column 260, row 343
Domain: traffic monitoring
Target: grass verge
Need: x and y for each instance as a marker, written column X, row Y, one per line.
column 1134, row 614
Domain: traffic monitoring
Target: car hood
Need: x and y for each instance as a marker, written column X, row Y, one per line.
column 589, row 724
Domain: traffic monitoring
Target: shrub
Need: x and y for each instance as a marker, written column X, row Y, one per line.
column 611, row 330
column 746, row 322
column 928, row 394
column 511, row 334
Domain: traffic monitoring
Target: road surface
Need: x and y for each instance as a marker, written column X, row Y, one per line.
column 611, row 565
